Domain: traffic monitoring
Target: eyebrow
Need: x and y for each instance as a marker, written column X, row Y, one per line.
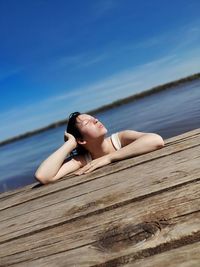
column 83, row 119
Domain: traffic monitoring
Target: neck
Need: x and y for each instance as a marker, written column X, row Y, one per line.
column 99, row 148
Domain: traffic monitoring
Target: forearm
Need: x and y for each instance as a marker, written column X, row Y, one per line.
column 144, row 144
column 50, row 166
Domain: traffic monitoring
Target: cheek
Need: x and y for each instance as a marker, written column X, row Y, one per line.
column 87, row 131
column 93, row 132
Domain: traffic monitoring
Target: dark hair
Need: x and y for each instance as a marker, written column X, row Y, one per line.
column 72, row 129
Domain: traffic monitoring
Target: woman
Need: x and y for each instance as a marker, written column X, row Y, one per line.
column 89, row 148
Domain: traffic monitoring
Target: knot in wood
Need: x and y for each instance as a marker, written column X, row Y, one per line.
column 119, row 237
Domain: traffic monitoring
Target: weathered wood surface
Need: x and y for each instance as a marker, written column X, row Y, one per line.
column 142, row 211
column 185, row 256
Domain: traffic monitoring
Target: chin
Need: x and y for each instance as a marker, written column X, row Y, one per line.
column 104, row 130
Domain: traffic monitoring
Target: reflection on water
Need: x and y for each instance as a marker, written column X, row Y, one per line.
column 168, row 113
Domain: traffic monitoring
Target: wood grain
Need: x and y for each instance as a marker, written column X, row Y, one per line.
column 138, row 211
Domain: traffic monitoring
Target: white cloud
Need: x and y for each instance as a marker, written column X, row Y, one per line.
column 118, row 86
column 182, row 60
column 76, row 61
column 187, row 38
column 179, row 41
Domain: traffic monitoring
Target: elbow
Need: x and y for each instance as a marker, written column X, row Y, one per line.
column 158, row 140
column 42, row 179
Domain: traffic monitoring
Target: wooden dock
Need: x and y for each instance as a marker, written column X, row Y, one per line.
column 143, row 211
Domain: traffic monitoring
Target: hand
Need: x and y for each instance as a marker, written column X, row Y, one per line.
column 94, row 164
column 70, row 138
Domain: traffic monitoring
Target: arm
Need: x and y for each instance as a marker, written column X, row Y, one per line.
column 51, row 166
column 135, row 144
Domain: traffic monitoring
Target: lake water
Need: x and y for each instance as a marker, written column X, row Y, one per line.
column 168, row 113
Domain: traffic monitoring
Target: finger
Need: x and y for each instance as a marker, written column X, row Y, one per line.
column 94, row 167
column 77, row 173
column 85, row 168
column 90, row 170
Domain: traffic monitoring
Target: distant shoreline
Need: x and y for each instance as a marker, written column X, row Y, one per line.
column 107, row 107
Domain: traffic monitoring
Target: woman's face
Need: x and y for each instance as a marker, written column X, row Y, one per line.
column 90, row 126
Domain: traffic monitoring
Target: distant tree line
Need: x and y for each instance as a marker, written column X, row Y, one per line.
column 108, row 106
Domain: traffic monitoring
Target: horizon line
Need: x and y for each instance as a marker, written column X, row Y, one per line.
column 113, row 104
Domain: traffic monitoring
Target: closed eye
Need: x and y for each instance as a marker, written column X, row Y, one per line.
column 85, row 122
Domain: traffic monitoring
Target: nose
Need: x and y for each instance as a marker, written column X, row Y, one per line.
column 96, row 120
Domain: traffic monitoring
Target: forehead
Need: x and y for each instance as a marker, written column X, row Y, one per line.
column 83, row 117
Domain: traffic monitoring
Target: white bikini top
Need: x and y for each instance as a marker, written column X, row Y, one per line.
column 115, row 141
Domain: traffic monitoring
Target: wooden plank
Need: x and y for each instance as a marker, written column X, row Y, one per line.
column 186, row 256
column 189, row 134
column 112, row 190
column 122, row 185
column 92, row 231
column 182, row 137
column 173, row 145
column 119, row 244
column 55, row 195
column 161, row 220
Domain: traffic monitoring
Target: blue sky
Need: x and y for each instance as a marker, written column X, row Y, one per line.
column 60, row 56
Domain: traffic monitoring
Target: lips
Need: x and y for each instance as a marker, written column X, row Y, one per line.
column 100, row 125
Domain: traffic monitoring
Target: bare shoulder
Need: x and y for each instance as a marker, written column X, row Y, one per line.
column 128, row 136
